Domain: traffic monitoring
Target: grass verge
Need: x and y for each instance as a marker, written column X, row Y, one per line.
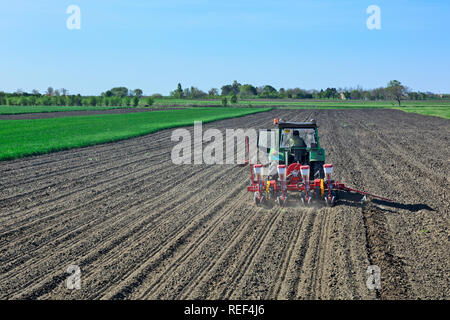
column 443, row 112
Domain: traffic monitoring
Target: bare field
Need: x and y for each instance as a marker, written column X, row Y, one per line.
column 142, row 228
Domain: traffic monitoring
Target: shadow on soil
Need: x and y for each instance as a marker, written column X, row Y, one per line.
column 408, row 207
column 354, row 200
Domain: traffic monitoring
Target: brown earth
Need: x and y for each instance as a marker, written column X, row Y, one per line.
column 142, row 228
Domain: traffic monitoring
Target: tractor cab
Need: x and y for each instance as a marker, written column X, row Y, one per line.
column 294, row 142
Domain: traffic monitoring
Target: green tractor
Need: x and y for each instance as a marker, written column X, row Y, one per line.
column 294, row 142
column 296, row 165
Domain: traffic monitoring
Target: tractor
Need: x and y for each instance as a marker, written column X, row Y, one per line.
column 296, row 164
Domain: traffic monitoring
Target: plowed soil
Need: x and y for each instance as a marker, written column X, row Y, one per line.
column 142, row 228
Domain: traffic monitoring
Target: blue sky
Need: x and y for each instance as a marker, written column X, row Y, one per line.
column 155, row 44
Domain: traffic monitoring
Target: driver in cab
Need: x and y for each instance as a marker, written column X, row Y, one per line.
column 297, row 142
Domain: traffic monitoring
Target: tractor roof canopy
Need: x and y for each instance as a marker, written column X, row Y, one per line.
column 311, row 125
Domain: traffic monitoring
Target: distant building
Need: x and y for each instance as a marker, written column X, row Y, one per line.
column 343, row 96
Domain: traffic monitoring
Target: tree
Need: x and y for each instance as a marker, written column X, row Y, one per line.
column 186, row 93
column 32, row 100
column 297, row 93
column 224, row 101
column 178, row 93
column 92, row 101
column 64, row 91
column 126, row 101
column 231, row 89
column 2, row 98
column 233, row 98
column 268, row 92
column 194, row 93
column 379, row 93
column 50, row 91
column 157, row 96
column 396, row 90
column 235, row 87
column 35, row 92
column 135, row 101
column 119, row 92
column 149, row 101
column 23, row 101
column 330, row 93
column 138, row 93
column 226, row 90
column 115, row 101
column 355, row 94
column 44, row 101
column 100, row 100
column 78, row 100
column 213, row 92
column 247, row 90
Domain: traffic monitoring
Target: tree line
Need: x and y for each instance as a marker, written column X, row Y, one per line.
column 119, row 96
column 394, row 90
column 122, row 96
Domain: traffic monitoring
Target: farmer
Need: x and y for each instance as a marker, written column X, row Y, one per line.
column 297, row 142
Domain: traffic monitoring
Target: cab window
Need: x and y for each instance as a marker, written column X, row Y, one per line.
column 308, row 135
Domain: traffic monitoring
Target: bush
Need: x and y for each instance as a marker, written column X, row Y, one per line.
column 224, row 101
column 92, row 101
column 233, row 99
column 146, row 102
column 157, row 96
column 85, row 102
column 135, row 101
column 126, row 101
column 149, row 101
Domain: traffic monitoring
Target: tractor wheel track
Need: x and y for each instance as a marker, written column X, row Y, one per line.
column 111, row 222
column 138, row 225
column 155, row 288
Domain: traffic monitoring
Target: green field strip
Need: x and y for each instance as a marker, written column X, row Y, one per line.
column 19, row 138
